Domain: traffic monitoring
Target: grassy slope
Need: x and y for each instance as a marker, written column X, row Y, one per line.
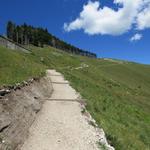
column 17, row 66
column 117, row 93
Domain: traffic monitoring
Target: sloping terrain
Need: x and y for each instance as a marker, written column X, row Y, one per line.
column 16, row 66
column 18, row 111
column 61, row 123
column 117, row 92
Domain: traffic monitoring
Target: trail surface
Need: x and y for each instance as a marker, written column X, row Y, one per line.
column 60, row 125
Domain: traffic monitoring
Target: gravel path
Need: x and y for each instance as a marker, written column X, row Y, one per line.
column 60, row 125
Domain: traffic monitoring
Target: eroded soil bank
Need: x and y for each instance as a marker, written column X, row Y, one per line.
column 18, row 111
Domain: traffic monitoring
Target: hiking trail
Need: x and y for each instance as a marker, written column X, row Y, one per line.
column 61, row 125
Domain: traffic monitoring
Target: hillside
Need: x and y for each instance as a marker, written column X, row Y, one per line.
column 117, row 92
column 37, row 36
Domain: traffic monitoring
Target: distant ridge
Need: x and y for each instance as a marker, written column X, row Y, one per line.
column 27, row 34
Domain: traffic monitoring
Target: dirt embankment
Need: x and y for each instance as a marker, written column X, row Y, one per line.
column 18, row 111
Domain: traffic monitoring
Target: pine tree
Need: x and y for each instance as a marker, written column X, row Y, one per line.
column 10, row 30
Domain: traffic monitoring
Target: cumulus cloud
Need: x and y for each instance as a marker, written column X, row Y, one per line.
column 96, row 20
column 143, row 19
column 136, row 37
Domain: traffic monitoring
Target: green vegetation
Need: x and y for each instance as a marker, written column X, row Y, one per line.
column 117, row 92
column 26, row 34
column 16, row 66
column 102, row 146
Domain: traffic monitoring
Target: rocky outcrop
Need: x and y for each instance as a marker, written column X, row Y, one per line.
column 18, row 108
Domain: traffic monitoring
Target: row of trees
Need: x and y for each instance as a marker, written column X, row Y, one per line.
column 26, row 34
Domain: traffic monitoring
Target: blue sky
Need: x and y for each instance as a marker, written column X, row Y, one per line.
column 109, row 38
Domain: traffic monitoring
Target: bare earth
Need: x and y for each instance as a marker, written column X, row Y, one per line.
column 60, row 125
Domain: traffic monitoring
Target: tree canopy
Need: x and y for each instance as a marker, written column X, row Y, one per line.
column 27, row 34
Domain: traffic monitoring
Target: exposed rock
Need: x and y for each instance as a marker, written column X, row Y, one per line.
column 3, row 92
column 25, row 83
column 30, row 80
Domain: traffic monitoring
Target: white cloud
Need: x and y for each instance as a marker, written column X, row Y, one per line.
column 96, row 20
column 136, row 37
column 143, row 19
